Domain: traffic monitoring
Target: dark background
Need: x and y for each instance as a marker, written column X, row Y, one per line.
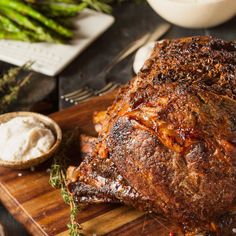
column 132, row 21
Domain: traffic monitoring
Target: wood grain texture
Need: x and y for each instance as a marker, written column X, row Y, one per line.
column 40, row 208
column 33, row 202
column 27, row 194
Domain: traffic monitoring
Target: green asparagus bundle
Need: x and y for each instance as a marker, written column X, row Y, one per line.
column 41, row 20
column 15, row 14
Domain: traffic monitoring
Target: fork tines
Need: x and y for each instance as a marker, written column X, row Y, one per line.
column 83, row 94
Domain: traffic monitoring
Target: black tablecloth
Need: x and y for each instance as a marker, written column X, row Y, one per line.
column 132, row 21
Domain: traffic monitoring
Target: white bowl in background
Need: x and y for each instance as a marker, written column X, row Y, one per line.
column 195, row 13
column 49, row 123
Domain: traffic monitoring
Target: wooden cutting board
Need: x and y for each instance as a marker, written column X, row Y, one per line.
column 40, row 208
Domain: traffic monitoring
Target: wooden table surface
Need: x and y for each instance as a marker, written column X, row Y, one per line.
column 42, row 210
column 132, row 21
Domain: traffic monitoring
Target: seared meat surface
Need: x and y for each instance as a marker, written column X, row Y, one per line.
column 168, row 142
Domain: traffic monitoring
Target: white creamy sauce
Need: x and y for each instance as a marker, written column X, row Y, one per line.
column 24, row 138
column 142, row 55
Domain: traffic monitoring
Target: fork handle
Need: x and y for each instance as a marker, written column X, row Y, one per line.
column 148, row 37
column 126, row 52
column 159, row 32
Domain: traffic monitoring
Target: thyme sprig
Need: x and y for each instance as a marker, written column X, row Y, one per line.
column 58, row 179
column 10, row 85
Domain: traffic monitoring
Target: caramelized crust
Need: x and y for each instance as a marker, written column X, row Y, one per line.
column 171, row 134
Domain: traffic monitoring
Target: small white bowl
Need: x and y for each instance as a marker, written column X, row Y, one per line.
column 51, row 124
column 195, row 13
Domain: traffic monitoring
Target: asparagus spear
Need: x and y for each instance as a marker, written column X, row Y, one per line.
column 41, row 34
column 27, row 10
column 8, row 24
column 52, row 1
column 61, row 9
column 14, row 36
column 98, row 5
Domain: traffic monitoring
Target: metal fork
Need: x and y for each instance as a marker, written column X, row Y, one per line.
column 85, row 93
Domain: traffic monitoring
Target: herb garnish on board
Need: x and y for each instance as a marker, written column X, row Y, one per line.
column 58, row 178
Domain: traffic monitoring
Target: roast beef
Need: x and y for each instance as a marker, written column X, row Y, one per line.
column 168, row 142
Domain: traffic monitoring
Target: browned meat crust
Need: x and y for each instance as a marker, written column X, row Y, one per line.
column 98, row 118
column 97, row 180
column 171, row 135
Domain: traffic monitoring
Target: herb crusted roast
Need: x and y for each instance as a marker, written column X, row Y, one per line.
column 168, row 142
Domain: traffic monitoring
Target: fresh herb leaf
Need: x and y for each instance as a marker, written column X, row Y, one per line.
column 58, row 179
column 10, row 85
